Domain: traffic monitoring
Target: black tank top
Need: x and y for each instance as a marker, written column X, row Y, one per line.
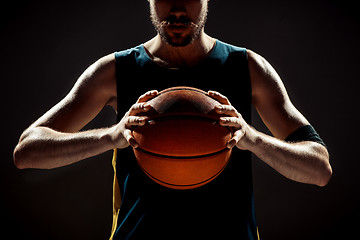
column 221, row 209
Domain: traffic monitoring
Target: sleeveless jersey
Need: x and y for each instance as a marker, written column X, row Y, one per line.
column 221, row 209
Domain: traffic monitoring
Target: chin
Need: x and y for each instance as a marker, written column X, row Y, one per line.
column 178, row 40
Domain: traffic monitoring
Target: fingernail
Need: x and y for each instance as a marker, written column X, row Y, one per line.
column 154, row 92
column 231, row 143
column 133, row 143
column 146, row 106
column 142, row 120
column 219, row 108
column 223, row 120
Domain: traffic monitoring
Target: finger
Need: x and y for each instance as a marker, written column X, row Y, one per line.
column 130, row 138
column 139, row 108
column 235, row 139
column 230, row 122
column 219, row 97
column 135, row 121
column 227, row 110
column 147, row 96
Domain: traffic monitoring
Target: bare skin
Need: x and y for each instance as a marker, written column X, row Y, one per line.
column 56, row 139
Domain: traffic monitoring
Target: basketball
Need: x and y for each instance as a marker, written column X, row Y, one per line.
column 182, row 145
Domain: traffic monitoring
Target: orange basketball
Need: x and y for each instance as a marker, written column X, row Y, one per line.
column 182, row 146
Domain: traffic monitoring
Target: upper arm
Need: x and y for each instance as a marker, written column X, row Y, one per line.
column 271, row 100
column 94, row 89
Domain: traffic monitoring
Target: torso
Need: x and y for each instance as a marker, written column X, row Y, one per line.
column 158, row 212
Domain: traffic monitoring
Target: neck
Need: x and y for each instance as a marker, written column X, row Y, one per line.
column 175, row 57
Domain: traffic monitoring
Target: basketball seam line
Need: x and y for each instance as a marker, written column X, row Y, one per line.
column 182, row 157
column 183, row 88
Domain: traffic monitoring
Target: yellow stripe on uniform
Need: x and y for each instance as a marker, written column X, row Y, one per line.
column 116, row 197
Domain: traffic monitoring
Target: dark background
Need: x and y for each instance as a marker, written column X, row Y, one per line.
column 46, row 45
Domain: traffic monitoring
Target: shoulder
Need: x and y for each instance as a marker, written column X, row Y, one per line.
column 96, row 83
column 254, row 58
column 258, row 64
column 102, row 66
column 265, row 80
column 98, row 76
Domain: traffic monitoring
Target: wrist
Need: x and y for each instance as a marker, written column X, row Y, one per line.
column 110, row 137
column 120, row 137
column 251, row 139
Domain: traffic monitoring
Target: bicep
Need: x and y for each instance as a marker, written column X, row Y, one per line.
column 93, row 90
column 271, row 100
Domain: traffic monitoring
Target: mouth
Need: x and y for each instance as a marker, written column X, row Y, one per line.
column 178, row 27
column 181, row 22
column 177, row 23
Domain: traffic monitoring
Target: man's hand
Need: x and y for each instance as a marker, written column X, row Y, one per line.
column 243, row 135
column 122, row 135
column 306, row 162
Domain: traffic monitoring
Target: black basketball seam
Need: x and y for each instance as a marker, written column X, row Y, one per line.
column 184, row 88
column 207, row 118
column 165, row 117
column 182, row 157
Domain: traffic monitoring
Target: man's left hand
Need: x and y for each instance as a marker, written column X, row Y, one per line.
column 243, row 135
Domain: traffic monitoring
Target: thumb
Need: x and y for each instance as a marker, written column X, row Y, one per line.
column 130, row 139
column 235, row 139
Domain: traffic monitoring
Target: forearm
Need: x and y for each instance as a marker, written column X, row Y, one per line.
column 42, row 147
column 306, row 162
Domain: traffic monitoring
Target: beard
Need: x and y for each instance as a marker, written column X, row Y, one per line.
column 178, row 31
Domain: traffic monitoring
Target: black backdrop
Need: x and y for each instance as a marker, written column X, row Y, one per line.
column 46, row 45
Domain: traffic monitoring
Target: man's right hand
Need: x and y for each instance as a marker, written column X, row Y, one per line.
column 122, row 136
